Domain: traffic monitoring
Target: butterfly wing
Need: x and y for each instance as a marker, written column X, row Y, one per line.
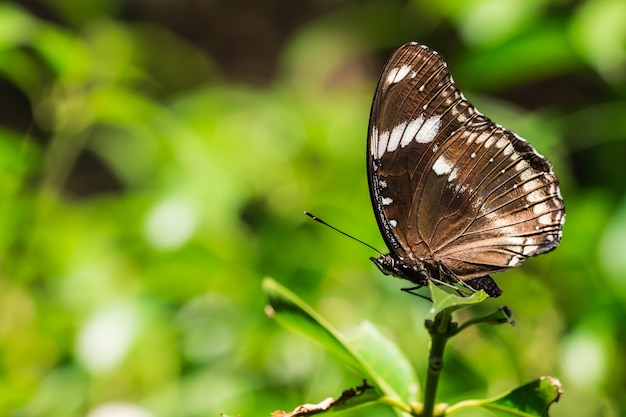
column 449, row 185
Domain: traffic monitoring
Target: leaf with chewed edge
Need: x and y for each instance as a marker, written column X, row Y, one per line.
column 350, row 399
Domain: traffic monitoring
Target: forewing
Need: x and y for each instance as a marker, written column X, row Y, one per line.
column 416, row 108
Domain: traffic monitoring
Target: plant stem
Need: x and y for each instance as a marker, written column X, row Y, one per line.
column 439, row 333
column 394, row 402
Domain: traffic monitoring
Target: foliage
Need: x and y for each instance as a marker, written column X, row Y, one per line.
column 151, row 177
column 378, row 360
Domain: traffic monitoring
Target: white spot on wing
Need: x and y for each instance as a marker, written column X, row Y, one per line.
column 411, row 131
column 525, row 175
column 374, row 141
column 546, row 219
column 520, row 166
column 453, row 175
column 514, row 261
column 442, row 166
column 387, row 201
column 482, row 137
column 528, row 186
column 535, row 196
column 393, row 223
column 383, row 138
column 541, row 208
column 429, row 129
column 530, row 249
column 398, row 74
column 396, row 135
column 501, row 143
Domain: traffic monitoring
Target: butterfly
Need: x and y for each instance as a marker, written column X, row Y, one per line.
column 456, row 196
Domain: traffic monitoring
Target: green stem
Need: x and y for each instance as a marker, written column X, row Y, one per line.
column 464, row 405
column 394, row 402
column 439, row 332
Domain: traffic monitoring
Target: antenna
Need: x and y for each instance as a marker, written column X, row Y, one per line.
column 317, row 219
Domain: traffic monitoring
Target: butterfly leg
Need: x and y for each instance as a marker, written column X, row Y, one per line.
column 445, row 278
column 449, row 279
column 411, row 290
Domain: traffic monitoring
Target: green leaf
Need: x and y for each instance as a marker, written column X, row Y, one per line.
column 531, row 400
column 443, row 300
column 384, row 358
column 295, row 315
column 368, row 351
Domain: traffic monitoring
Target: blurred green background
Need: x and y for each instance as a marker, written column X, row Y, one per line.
column 157, row 157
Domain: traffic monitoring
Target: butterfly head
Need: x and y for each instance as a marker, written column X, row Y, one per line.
column 390, row 265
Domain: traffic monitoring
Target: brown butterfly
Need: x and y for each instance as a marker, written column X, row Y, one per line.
column 457, row 197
